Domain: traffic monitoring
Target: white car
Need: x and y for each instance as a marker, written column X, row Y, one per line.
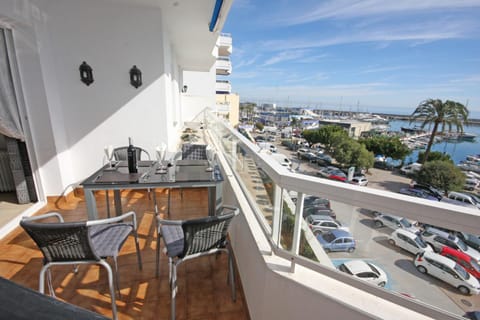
column 394, row 222
column 408, row 241
column 448, row 271
column 365, row 271
column 359, row 181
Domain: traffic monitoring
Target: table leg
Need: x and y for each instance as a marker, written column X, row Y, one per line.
column 91, row 204
column 214, row 199
column 118, row 202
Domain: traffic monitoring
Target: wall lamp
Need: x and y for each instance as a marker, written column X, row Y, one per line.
column 86, row 73
column 135, row 77
column 184, row 89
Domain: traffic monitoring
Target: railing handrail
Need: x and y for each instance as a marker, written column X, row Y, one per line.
column 284, row 178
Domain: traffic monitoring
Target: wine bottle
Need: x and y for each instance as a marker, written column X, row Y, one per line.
column 131, row 157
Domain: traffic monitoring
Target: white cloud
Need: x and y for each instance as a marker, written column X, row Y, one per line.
column 347, row 9
column 418, row 32
column 285, row 56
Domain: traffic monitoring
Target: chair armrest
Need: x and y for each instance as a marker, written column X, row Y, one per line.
column 45, row 216
column 120, row 218
column 228, row 208
column 161, row 222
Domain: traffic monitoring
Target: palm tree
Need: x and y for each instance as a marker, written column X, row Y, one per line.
column 436, row 112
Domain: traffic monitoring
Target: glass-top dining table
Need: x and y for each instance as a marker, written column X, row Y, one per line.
column 151, row 175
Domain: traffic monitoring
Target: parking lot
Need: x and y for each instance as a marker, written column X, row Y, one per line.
column 373, row 245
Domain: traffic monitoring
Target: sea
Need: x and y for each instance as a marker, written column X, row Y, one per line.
column 458, row 151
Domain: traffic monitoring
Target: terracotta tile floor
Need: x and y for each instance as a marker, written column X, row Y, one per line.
column 203, row 289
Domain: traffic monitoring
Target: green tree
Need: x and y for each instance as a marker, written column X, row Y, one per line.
column 330, row 136
column 259, row 126
column 351, row 153
column 387, row 146
column 443, row 175
column 311, row 136
column 434, row 155
column 437, row 112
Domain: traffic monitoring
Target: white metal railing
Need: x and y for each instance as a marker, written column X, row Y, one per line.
column 242, row 154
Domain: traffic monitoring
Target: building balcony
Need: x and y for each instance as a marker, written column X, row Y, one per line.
column 223, row 66
column 224, row 44
column 223, row 87
column 281, row 268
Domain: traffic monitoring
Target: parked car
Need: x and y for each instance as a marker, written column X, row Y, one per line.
column 470, row 184
column 301, row 152
column 383, row 165
column 439, row 238
column 365, row 271
column 318, row 211
column 470, row 240
column 359, row 181
column 394, row 222
column 323, row 158
column 337, row 175
column 323, row 223
column 325, row 171
column 408, row 241
column 417, row 193
column 411, row 168
column 315, row 201
column 337, row 240
column 309, row 156
column 448, row 271
column 428, row 189
column 462, row 259
column 467, row 198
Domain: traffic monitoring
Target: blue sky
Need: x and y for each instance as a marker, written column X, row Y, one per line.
column 356, row 55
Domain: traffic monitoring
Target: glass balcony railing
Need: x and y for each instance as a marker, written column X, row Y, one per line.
column 297, row 212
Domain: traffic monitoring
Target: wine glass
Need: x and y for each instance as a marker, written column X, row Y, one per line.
column 161, row 151
column 210, row 157
column 109, row 154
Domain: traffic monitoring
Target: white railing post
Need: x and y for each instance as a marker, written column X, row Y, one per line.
column 277, row 214
column 297, row 229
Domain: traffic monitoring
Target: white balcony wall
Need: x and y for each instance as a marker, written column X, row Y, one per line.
column 200, row 93
column 69, row 122
column 224, row 44
column 223, row 87
column 224, row 67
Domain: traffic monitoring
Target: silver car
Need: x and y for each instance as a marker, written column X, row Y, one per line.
column 394, row 222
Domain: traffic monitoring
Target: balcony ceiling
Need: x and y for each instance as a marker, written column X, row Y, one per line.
column 187, row 22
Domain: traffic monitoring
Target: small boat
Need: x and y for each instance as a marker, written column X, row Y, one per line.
column 460, row 136
column 415, row 129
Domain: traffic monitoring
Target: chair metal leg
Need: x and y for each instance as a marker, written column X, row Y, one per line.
column 107, row 200
column 173, row 289
column 112, row 289
column 137, row 247
column 231, row 275
column 157, row 258
column 41, row 282
column 116, row 276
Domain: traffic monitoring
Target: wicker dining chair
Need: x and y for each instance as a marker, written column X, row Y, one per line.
column 82, row 242
column 190, row 239
column 194, row 151
column 121, row 153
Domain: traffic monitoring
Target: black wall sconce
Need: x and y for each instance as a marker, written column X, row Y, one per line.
column 184, row 89
column 86, row 74
column 135, row 77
